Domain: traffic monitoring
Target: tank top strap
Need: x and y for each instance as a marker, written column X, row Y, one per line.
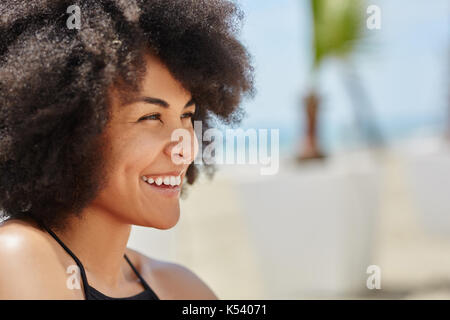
column 86, row 285
column 75, row 258
column 143, row 282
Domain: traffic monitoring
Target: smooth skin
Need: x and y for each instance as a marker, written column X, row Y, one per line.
column 34, row 266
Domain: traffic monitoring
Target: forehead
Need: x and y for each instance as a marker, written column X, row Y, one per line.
column 159, row 82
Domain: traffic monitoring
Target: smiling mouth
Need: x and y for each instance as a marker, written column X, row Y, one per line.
column 167, row 180
column 163, row 181
column 168, row 184
column 164, row 189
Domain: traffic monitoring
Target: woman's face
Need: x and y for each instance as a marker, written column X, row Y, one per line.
column 140, row 148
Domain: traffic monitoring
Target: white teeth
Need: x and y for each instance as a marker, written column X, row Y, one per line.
column 168, row 181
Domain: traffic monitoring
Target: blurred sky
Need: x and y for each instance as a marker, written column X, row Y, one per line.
column 404, row 68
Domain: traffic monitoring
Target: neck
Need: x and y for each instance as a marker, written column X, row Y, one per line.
column 99, row 240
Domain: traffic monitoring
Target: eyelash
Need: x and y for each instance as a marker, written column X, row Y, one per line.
column 149, row 117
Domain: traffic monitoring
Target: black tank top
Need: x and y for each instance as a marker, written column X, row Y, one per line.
column 91, row 293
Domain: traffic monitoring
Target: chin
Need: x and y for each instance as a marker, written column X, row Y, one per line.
column 163, row 221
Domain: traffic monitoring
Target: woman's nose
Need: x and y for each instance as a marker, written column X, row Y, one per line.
column 182, row 147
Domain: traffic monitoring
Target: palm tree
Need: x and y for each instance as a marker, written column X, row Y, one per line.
column 338, row 27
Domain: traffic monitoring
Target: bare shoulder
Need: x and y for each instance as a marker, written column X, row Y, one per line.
column 171, row 281
column 30, row 267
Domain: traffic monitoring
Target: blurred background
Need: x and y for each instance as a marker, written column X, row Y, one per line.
column 363, row 112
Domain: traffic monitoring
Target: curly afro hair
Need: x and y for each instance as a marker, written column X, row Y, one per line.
column 54, row 83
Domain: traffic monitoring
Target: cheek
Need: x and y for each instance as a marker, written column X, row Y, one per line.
column 135, row 154
column 130, row 154
column 128, row 157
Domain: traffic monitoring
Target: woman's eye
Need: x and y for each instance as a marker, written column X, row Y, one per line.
column 188, row 115
column 157, row 116
column 151, row 117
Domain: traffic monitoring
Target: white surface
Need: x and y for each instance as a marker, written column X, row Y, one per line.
column 313, row 226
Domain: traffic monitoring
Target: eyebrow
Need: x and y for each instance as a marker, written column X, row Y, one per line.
column 160, row 102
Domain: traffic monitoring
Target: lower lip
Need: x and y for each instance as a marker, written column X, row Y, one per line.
column 164, row 190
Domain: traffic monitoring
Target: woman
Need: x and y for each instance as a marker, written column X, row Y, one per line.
column 86, row 119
